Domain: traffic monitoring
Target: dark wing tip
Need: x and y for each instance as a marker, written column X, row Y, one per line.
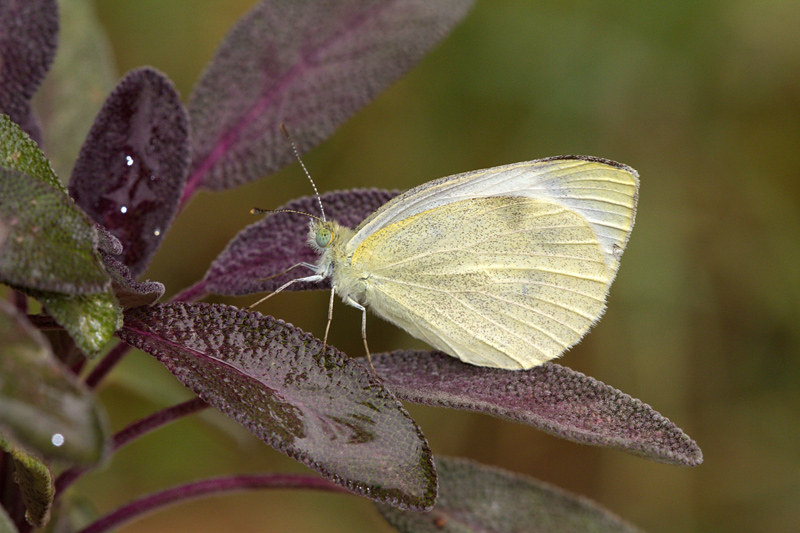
column 595, row 159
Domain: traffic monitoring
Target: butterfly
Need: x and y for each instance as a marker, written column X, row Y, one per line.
column 505, row 267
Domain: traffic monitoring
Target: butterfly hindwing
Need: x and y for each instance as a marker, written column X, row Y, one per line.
column 500, row 281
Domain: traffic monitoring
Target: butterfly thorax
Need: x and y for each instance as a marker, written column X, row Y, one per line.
column 329, row 240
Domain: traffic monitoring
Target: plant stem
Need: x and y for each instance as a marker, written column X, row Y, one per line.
column 20, row 301
column 107, row 364
column 133, row 431
column 156, row 420
column 197, row 489
column 44, row 322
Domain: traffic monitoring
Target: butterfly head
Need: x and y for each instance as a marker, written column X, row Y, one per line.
column 322, row 234
column 329, row 240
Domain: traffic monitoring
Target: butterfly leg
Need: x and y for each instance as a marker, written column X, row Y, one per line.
column 363, row 310
column 330, row 318
column 314, row 278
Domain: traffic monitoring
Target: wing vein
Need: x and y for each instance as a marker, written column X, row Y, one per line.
column 502, row 327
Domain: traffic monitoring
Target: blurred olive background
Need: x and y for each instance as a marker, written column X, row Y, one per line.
column 702, row 98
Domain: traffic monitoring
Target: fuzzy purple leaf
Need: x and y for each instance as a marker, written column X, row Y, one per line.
column 130, row 293
column 280, row 240
column 133, row 165
column 550, row 397
column 309, row 65
column 316, row 405
column 28, row 39
column 107, row 242
column 474, row 498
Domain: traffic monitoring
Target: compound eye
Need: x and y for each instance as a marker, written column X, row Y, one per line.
column 323, row 237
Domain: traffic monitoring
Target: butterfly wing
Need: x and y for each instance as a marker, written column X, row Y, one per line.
column 603, row 192
column 500, row 281
column 505, row 267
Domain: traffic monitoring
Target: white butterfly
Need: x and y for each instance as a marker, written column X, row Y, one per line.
column 506, row 267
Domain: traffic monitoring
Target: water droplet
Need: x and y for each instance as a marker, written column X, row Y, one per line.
column 129, row 160
column 152, row 177
column 157, row 232
column 57, row 439
column 123, row 209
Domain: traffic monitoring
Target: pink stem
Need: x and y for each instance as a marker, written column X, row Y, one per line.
column 197, row 489
column 134, row 431
column 107, row 364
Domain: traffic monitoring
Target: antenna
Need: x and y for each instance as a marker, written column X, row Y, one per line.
column 297, row 155
column 259, row 211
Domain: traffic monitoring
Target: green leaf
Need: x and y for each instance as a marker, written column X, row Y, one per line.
column 66, row 103
column 90, row 319
column 44, row 408
column 474, row 498
column 48, row 246
column 35, row 483
column 19, row 152
column 50, row 243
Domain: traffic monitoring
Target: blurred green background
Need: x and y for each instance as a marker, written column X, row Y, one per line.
column 703, row 98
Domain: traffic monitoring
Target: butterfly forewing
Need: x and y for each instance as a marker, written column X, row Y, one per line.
column 603, row 192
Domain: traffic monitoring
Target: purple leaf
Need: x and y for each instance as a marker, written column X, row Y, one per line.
column 550, row 397
column 279, row 241
column 28, row 39
column 129, row 293
column 107, row 242
column 310, row 65
column 481, row 499
column 132, row 167
column 317, row 406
